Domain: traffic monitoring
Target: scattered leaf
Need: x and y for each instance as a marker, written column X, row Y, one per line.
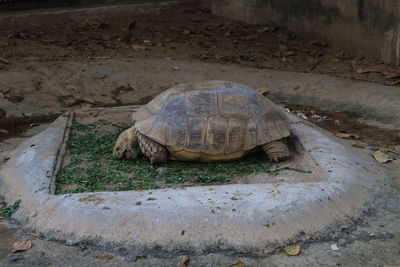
column 120, row 124
column 361, row 71
column 106, row 257
column 21, row 246
column 2, row 220
column 237, row 264
column 138, row 203
column 175, row 68
column 347, row 135
column 292, row 250
column 334, row 247
column 263, row 90
column 69, row 100
column 86, row 105
column 381, row 157
column 2, row 131
column 139, row 47
column 151, row 199
column 358, row 145
column 2, row 60
column 265, row 29
column 187, row 31
column 7, row 158
column 183, row 261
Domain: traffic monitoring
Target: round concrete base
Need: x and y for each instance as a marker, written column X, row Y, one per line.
column 241, row 217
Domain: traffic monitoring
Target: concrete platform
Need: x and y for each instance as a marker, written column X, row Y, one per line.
column 239, row 217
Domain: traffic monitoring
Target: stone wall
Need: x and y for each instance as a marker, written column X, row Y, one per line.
column 363, row 27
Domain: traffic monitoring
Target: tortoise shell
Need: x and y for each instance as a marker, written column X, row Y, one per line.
column 213, row 120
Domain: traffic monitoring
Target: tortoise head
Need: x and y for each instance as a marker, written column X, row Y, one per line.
column 126, row 145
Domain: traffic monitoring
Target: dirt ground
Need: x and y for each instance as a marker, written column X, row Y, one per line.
column 187, row 33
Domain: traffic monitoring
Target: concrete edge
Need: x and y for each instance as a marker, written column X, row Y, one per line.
column 196, row 218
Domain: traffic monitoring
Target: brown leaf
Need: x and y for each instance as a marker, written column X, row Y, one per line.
column 183, row 261
column 391, row 75
column 361, row 71
column 2, row 220
column 21, row 246
column 263, row 90
column 265, row 29
column 251, row 37
column 139, row 47
column 120, row 124
column 86, row 105
column 237, row 264
column 70, row 100
column 381, row 157
column 358, row 145
column 187, row 31
column 347, row 135
column 106, row 257
column 2, row 60
column 2, row 131
column 292, row 250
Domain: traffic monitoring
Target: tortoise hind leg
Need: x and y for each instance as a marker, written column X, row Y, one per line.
column 152, row 150
column 276, row 151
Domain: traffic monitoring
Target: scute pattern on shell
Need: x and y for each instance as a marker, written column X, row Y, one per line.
column 215, row 117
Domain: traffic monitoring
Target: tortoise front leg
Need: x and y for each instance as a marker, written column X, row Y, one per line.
column 276, row 151
column 126, row 144
column 151, row 149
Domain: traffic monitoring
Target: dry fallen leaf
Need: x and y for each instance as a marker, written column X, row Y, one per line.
column 263, row 90
column 265, row 29
column 21, row 246
column 381, row 156
column 183, row 261
column 2, row 220
column 2, row 60
column 120, row 124
column 2, row 131
column 358, row 145
column 237, row 264
column 361, row 71
column 175, row 68
column 347, row 135
column 292, row 250
column 106, row 257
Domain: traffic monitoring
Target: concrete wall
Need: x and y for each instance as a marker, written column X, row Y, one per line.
column 365, row 27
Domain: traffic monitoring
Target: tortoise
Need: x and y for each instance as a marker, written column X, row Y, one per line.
column 207, row 122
